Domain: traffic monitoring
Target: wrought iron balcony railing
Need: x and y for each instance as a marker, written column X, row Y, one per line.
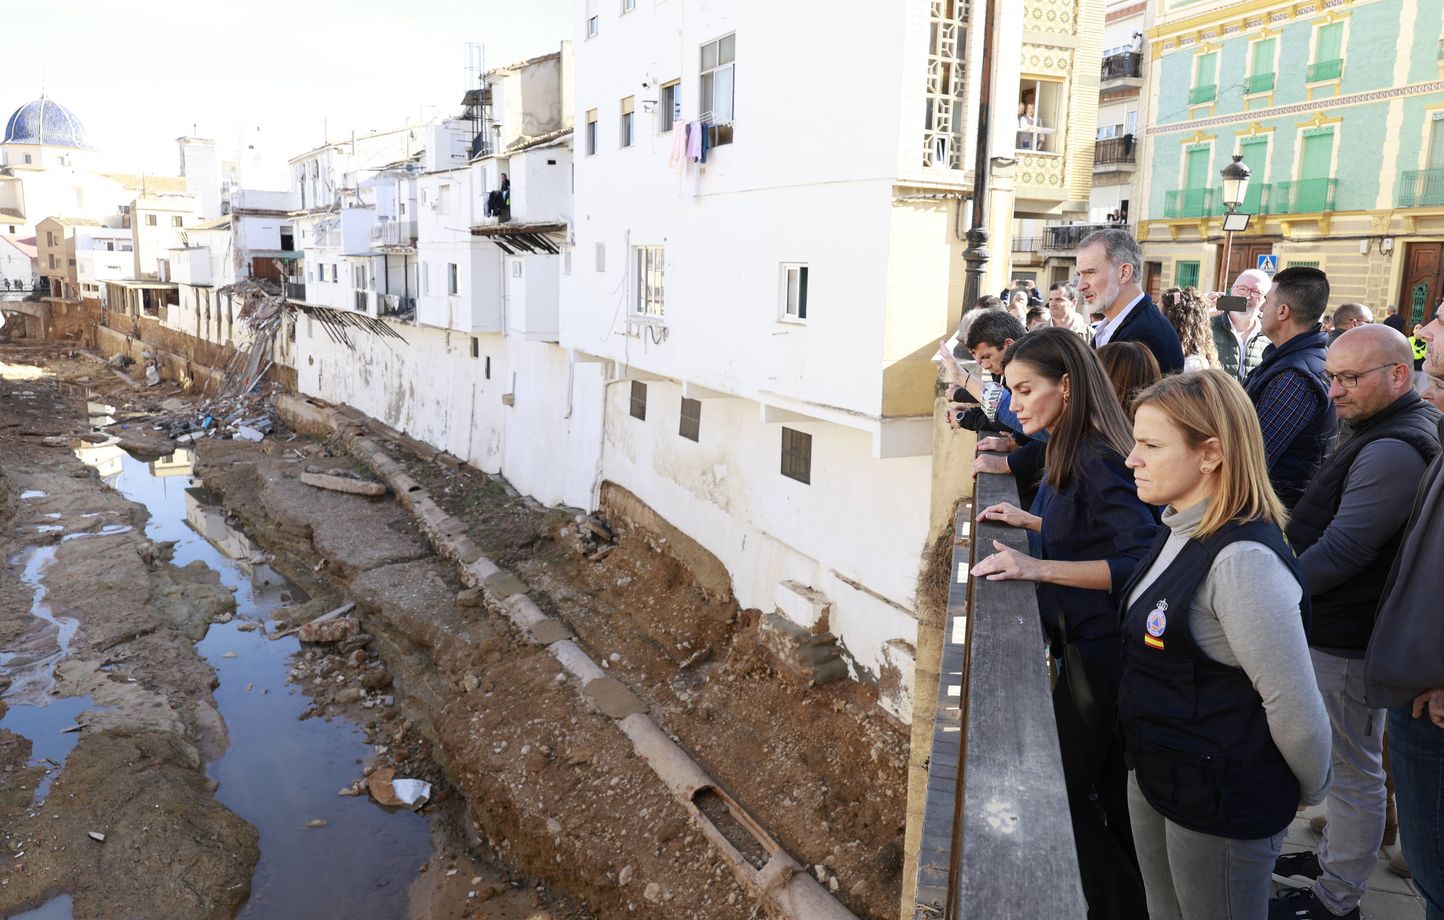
column 1190, row 202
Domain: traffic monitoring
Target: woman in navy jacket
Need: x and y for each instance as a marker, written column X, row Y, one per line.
column 1089, row 533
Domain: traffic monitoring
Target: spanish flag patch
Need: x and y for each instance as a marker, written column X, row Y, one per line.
column 1152, row 642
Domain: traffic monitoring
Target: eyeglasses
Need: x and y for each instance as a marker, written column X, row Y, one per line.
column 1246, row 292
column 1349, row 381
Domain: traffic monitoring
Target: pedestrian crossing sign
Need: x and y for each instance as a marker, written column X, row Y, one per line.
column 1268, row 263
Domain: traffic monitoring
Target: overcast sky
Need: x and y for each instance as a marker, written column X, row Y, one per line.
column 140, row 73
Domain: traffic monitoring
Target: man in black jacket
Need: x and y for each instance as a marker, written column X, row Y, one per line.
column 1347, row 528
column 1110, row 264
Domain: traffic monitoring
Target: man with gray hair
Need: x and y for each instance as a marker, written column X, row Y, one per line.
column 1110, row 266
column 1350, row 316
column 1237, row 335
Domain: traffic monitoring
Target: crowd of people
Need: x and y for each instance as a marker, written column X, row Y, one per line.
column 1233, row 518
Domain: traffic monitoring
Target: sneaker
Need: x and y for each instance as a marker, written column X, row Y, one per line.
column 1398, row 866
column 1303, row 904
column 1297, row 870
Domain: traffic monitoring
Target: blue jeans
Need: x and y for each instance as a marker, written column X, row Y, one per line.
column 1416, row 753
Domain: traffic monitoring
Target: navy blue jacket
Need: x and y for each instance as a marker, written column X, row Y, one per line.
column 1299, row 463
column 1097, row 515
column 1146, row 323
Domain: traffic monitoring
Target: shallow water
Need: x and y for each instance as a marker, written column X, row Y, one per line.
column 279, row 772
column 55, row 909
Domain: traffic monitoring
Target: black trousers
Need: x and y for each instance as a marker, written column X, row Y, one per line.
column 1097, row 783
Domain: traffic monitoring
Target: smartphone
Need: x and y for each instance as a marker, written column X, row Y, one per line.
column 1231, row 304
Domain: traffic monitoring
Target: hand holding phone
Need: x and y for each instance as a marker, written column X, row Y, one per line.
column 1230, row 304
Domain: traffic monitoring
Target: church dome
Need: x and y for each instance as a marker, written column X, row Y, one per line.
column 45, row 121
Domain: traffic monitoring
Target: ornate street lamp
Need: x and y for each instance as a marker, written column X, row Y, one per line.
column 1235, row 187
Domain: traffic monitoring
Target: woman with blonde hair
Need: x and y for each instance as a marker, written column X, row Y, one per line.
column 1188, row 312
column 1224, row 725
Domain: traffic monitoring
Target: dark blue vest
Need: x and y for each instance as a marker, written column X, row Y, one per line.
column 1300, row 460
column 1194, row 728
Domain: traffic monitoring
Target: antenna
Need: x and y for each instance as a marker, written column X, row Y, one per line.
column 475, row 55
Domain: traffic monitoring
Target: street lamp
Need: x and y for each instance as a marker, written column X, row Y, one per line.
column 1235, row 187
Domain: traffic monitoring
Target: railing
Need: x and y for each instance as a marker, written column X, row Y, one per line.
column 1189, row 202
column 1067, row 237
column 1113, row 150
column 295, row 291
column 1255, row 201
column 1259, row 83
column 394, row 233
column 1206, row 93
column 1026, row 243
column 1304, row 196
column 395, row 305
column 1421, row 188
column 363, row 301
column 996, row 840
column 1122, row 66
column 1441, row 49
column 1325, row 70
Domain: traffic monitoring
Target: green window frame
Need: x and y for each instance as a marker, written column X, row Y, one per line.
column 1185, row 274
column 1205, row 80
column 1261, row 66
column 1328, row 63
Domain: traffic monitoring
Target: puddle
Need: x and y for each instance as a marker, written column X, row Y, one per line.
column 45, row 726
column 60, row 908
column 279, row 772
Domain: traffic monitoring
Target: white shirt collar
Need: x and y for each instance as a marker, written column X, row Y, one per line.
column 1110, row 326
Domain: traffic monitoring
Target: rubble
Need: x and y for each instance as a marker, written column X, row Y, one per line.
column 328, row 632
column 342, row 481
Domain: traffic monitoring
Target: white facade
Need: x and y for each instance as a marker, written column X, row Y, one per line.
column 158, row 224
column 101, row 254
column 17, row 268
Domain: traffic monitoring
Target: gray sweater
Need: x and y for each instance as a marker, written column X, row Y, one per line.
column 1246, row 615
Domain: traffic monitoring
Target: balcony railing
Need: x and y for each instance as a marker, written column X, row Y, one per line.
column 1122, row 66
column 396, row 305
column 1255, row 201
column 1421, row 188
column 1325, row 70
column 1206, row 93
column 1304, row 196
column 1190, row 202
column 295, row 291
column 1441, row 49
column 1067, row 237
column 363, row 301
column 394, row 233
column 1113, row 150
column 1259, row 83
column 1026, row 243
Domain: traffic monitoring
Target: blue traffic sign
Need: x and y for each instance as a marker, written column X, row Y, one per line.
column 1269, row 263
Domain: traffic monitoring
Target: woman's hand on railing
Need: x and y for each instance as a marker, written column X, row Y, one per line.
column 990, row 463
column 1010, row 514
column 1009, row 565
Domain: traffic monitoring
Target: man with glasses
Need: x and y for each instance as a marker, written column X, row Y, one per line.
column 1346, row 528
column 1237, row 335
column 1288, row 388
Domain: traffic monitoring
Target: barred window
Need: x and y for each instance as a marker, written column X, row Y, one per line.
column 691, row 427
column 639, row 400
column 797, row 455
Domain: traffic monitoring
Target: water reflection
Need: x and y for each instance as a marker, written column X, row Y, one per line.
column 60, row 908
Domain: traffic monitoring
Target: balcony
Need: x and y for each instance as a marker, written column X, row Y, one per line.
column 396, row 306
column 1421, row 188
column 1304, row 196
column 1190, row 202
column 1067, row 237
column 394, row 235
column 1255, row 201
column 1325, row 70
column 1259, row 83
column 1125, row 66
column 295, row 291
column 1201, row 94
column 1114, row 151
column 1027, row 243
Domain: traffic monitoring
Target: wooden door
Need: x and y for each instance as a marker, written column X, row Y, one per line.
column 1423, row 283
column 1244, row 255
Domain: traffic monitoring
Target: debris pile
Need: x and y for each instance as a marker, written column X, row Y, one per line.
column 590, row 536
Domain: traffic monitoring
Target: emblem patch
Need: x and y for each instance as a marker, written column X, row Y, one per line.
column 1156, row 624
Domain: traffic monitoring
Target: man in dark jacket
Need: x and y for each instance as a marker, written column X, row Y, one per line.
column 1288, row 387
column 1237, row 336
column 1346, row 529
column 1405, row 668
column 1109, row 267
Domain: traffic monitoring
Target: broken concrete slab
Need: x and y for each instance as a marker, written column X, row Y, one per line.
column 504, row 584
column 336, row 482
column 613, row 699
column 550, row 631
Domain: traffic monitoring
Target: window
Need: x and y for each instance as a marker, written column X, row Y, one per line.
column 1205, row 79
column 718, row 78
column 601, row 257
column 49, row 238
column 669, row 107
column 175, row 220
column 425, row 277
column 452, row 278
column 691, row 426
column 628, row 6
column 629, row 105
column 358, row 276
column 54, row 262
column 944, row 119
column 591, row 137
column 1261, row 66
column 488, row 367
column 1255, row 152
column 443, row 199
column 649, row 280
column 150, row 220
column 475, row 347
column 797, row 455
column 1328, row 53
column 794, row 291
column 1041, row 116
column 28, row 158
column 639, row 400
column 592, row 19
column 1185, row 274
column 516, row 268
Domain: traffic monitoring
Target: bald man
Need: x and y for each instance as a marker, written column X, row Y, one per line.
column 1346, row 528
column 1350, row 316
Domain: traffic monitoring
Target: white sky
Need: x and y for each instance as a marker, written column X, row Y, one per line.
column 140, row 73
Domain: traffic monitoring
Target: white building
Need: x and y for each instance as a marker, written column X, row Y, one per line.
column 18, row 263
column 101, row 254
column 158, row 224
column 48, row 169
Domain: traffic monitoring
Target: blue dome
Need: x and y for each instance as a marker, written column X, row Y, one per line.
column 45, row 121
